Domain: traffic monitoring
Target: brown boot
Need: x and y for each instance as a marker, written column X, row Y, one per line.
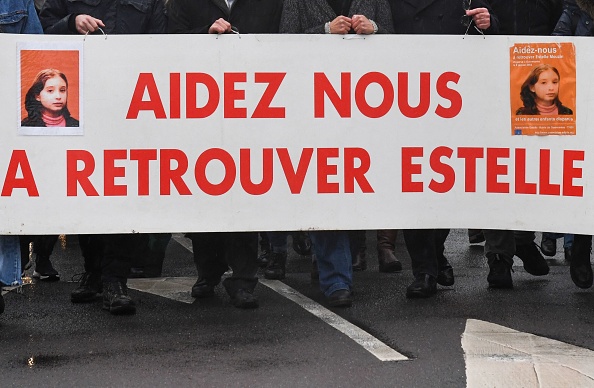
column 386, row 240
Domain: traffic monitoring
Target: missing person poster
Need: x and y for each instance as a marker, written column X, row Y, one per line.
column 543, row 89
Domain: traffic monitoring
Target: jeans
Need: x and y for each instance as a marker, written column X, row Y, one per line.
column 333, row 252
column 10, row 261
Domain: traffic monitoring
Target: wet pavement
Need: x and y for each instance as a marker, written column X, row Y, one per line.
column 173, row 340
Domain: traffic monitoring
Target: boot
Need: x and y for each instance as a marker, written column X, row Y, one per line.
column 88, row 288
column 276, row 267
column 302, row 243
column 358, row 247
column 360, row 261
column 386, row 243
column 116, row 299
column 44, row 269
column 500, row 269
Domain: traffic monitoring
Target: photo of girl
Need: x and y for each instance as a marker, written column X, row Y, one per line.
column 540, row 93
column 46, row 101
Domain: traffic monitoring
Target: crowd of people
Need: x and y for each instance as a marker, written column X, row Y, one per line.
column 109, row 260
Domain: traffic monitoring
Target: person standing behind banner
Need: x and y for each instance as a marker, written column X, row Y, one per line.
column 332, row 248
column 215, row 252
column 454, row 17
column 577, row 20
column 16, row 17
column 112, row 17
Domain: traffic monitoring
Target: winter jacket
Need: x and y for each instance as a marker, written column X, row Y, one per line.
column 436, row 17
column 311, row 16
column 576, row 19
column 19, row 17
column 246, row 16
column 528, row 17
column 119, row 16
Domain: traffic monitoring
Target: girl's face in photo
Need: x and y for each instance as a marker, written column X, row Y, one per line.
column 54, row 96
column 546, row 88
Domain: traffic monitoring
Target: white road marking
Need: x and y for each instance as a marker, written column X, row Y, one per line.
column 497, row 356
column 374, row 346
column 178, row 289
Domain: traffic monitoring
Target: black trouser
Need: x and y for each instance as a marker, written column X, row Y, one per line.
column 214, row 253
column 582, row 245
column 43, row 246
column 117, row 257
column 91, row 247
column 422, row 248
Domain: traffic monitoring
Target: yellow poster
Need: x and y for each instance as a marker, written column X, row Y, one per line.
column 542, row 89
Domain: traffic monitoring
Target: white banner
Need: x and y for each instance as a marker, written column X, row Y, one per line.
column 178, row 133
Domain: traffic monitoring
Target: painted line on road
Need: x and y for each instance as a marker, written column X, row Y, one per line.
column 374, row 346
column 497, row 356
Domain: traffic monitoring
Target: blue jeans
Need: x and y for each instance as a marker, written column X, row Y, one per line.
column 333, row 252
column 10, row 260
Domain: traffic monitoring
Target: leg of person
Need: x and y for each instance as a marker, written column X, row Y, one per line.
column 548, row 243
column 475, row 236
column 580, row 268
column 10, row 260
column 265, row 249
column 420, row 244
column 241, row 254
column 445, row 272
column 534, row 263
column 139, row 255
column 567, row 244
column 43, row 246
column 333, row 252
column 386, row 243
column 90, row 285
column 358, row 249
column 26, row 262
column 500, row 247
column 157, row 245
column 115, row 268
column 275, row 270
column 210, row 262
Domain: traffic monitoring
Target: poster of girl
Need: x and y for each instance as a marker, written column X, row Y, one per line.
column 540, row 93
column 46, row 101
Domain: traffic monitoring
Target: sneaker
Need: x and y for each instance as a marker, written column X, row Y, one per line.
column 244, row 299
column 534, row 263
column 44, row 270
column 88, row 289
column 276, row 267
column 116, row 299
column 500, row 269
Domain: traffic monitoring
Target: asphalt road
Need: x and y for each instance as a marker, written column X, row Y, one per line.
column 48, row 341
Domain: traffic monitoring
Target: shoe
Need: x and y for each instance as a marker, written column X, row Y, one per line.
column 360, row 261
column 548, row 246
column 202, row 289
column 581, row 274
column 567, row 254
column 88, row 289
column 500, row 269
column 116, row 299
column 475, row 236
column 244, row 299
column 44, row 270
column 445, row 275
column 276, row 267
column 387, row 261
column 534, row 263
column 264, row 257
column 423, row 286
column 340, row 298
column 302, row 243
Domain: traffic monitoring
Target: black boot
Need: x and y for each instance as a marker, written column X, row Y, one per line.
column 88, row 288
column 202, row 289
column 424, row 286
column 276, row 267
column 534, row 263
column 302, row 243
column 360, row 261
column 500, row 269
column 44, row 269
column 116, row 299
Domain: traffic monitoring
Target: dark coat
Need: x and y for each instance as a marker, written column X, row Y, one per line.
column 247, row 16
column 528, row 17
column 310, row 16
column 38, row 122
column 576, row 19
column 436, row 17
column 119, row 16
